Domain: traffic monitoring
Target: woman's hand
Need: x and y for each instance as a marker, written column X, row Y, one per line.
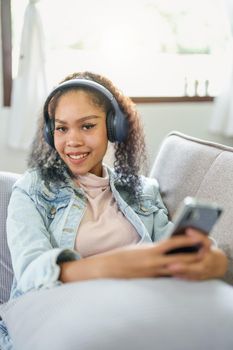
column 147, row 260
column 150, row 260
column 212, row 262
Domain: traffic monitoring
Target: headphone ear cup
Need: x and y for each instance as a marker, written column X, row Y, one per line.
column 110, row 126
column 49, row 131
column 117, row 127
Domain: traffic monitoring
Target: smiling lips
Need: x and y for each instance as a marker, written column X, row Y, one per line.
column 77, row 156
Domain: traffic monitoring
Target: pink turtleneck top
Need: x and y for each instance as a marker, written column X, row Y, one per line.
column 103, row 226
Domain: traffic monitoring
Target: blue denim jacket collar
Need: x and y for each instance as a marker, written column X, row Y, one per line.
column 79, row 202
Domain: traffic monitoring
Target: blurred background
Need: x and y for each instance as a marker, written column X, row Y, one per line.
column 173, row 58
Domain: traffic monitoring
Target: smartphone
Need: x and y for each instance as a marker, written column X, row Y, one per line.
column 196, row 214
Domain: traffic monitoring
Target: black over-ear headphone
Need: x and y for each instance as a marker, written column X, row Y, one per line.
column 116, row 121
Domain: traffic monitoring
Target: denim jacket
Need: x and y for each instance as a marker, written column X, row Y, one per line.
column 43, row 222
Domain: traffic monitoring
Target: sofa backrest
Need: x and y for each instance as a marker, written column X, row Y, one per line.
column 6, row 273
column 187, row 166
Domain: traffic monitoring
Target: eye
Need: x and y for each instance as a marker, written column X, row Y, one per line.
column 61, row 129
column 88, row 126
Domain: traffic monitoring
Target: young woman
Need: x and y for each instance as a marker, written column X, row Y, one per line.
column 72, row 218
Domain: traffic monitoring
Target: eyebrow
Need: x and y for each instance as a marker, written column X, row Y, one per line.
column 81, row 120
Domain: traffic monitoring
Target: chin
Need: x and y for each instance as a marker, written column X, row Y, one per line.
column 76, row 172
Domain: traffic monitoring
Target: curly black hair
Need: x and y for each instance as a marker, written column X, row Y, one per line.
column 130, row 156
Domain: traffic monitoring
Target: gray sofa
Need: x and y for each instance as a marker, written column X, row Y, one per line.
column 161, row 314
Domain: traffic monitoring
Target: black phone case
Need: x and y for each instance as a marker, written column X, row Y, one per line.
column 201, row 216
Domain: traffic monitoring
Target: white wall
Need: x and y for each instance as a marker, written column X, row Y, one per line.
column 10, row 160
column 189, row 118
column 158, row 120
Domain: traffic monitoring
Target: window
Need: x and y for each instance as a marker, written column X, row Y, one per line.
column 147, row 47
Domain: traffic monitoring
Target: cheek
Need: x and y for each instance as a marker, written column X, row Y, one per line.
column 98, row 139
column 98, row 144
column 58, row 143
column 104, row 134
column 103, row 138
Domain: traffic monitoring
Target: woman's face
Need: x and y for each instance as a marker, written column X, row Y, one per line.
column 80, row 135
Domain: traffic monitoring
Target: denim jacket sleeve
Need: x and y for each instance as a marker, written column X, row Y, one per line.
column 159, row 225
column 162, row 224
column 35, row 262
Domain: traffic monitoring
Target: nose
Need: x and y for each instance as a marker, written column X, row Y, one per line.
column 74, row 139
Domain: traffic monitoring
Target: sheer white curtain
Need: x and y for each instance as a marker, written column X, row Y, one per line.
column 29, row 87
column 222, row 119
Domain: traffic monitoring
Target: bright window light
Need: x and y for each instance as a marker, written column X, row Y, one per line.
column 147, row 47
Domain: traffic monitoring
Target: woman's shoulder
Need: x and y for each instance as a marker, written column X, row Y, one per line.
column 33, row 183
column 28, row 179
column 30, row 182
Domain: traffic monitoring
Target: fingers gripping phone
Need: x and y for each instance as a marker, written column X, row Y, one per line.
column 194, row 214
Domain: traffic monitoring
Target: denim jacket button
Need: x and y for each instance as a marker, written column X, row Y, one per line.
column 53, row 211
column 143, row 208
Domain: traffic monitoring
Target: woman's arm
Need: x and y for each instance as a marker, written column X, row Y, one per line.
column 34, row 259
column 141, row 261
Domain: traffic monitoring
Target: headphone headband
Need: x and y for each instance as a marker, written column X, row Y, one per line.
column 117, row 123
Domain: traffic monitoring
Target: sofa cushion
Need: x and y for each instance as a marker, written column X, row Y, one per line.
column 6, row 274
column 187, row 166
column 161, row 313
